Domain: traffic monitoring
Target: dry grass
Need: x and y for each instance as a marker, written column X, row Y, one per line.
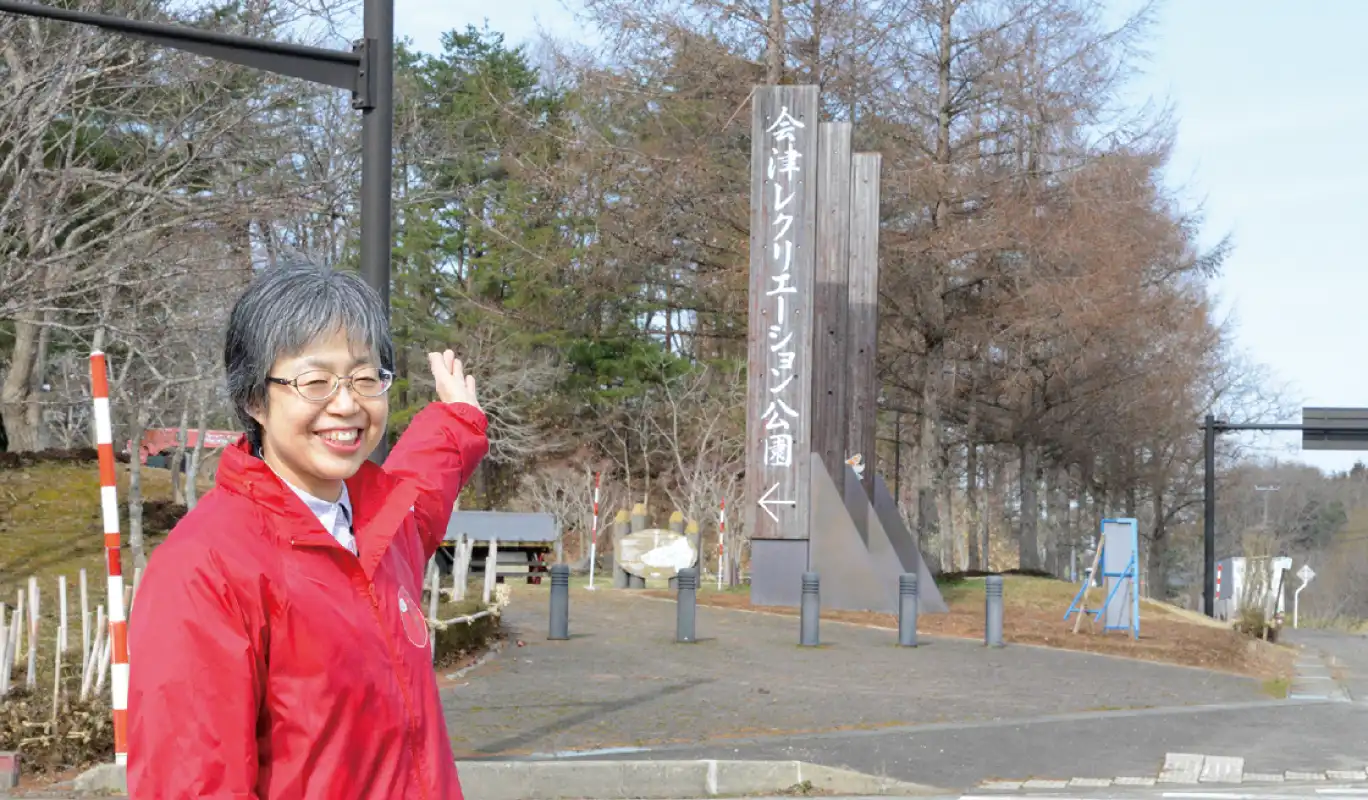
column 1034, row 615
column 50, row 523
column 50, row 526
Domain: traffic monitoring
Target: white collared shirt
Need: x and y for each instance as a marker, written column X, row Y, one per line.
column 334, row 517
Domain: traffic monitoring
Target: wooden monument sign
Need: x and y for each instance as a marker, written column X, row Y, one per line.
column 812, row 387
column 779, row 389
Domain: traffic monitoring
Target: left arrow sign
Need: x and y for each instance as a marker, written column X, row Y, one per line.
column 766, row 502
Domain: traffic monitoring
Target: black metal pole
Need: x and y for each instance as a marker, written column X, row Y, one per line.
column 367, row 71
column 377, row 133
column 1209, row 518
column 337, row 68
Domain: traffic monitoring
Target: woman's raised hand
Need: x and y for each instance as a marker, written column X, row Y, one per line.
column 453, row 385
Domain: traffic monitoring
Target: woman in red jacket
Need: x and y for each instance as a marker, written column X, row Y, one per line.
column 277, row 646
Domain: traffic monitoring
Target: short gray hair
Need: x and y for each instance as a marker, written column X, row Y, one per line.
column 283, row 310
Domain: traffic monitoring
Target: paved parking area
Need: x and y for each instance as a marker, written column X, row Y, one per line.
column 622, row 682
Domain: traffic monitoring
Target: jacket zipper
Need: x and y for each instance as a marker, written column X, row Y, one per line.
column 395, row 661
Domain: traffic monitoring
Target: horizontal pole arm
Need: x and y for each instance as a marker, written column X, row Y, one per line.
column 337, row 68
column 1254, row 426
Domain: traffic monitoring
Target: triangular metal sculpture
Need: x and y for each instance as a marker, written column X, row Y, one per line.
column 852, row 578
column 853, row 552
column 929, row 600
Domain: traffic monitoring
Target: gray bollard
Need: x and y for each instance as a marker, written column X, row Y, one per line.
column 907, row 610
column 992, row 611
column 686, row 605
column 810, row 611
column 560, row 602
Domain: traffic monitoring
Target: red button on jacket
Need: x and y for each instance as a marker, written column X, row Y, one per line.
column 267, row 661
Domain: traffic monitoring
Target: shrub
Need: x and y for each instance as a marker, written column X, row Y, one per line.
column 455, row 642
column 1253, row 623
column 81, row 734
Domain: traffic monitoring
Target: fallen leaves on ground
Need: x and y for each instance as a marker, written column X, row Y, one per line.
column 1034, row 615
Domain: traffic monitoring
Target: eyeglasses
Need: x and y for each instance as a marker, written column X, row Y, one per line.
column 318, row 385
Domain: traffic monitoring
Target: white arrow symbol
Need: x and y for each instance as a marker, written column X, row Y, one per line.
column 765, row 502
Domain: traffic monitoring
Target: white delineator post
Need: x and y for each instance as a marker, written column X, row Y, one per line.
column 593, row 532
column 1306, row 574
column 721, row 540
column 109, row 506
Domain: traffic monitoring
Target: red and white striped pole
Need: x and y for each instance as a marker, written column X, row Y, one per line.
column 109, row 505
column 721, row 541
column 593, row 532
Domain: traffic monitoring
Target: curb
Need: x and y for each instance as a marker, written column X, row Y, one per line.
column 625, row 780
column 1189, row 770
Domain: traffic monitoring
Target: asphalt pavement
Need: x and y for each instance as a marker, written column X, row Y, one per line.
column 1271, row 737
column 1346, row 655
column 952, row 714
column 621, row 681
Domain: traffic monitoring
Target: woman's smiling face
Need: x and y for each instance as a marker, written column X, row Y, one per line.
column 317, row 444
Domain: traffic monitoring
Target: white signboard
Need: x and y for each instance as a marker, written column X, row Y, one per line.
column 1120, row 555
column 655, row 553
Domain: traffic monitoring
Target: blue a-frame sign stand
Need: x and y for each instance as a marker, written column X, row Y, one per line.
column 1118, row 565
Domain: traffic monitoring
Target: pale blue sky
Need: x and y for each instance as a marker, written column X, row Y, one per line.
column 1270, row 119
column 1266, row 93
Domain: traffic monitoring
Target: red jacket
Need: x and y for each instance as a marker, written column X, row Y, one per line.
column 266, row 661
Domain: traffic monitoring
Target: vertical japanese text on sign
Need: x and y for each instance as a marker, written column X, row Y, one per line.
column 783, row 168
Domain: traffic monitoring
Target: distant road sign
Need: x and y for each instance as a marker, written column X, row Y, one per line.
column 1306, row 573
column 655, row 553
column 1335, row 428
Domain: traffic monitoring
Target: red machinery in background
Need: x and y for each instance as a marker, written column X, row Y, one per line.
column 158, row 441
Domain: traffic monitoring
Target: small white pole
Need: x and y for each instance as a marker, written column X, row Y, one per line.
column 4, row 649
column 85, row 623
column 32, row 680
column 721, row 540
column 461, row 579
column 435, row 595
column 63, row 640
column 593, row 532
column 491, row 573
